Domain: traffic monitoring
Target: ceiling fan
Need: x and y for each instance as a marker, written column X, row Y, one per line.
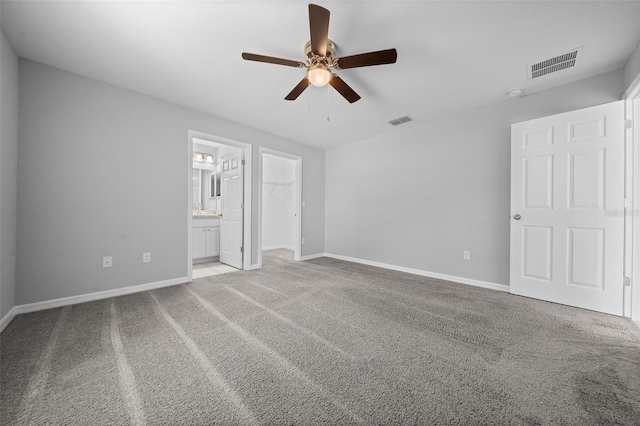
column 320, row 52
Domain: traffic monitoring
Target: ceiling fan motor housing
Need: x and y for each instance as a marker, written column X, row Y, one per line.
column 331, row 49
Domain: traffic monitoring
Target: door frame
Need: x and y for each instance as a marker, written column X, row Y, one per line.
column 247, row 152
column 297, row 254
column 632, row 231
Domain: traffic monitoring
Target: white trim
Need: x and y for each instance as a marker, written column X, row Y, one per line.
column 313, row 256
column 247, row 156
column 190, row 205
column 247, row 153
column 8, row 317
column 452, row 278
column 635, row 250
column 297, row 249
column 278, row 247
column 632, row 268
column 627, row 302
column 99, row 295
column 255, row 266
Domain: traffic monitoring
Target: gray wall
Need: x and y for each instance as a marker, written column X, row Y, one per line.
column 8, row 172
column 419, row 196
column 103, row 171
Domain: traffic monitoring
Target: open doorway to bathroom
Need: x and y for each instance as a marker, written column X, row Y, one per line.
column 280, row 205
column 219, row 214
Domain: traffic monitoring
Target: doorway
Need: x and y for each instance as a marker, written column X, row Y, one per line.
column 280, row 204
column 219, row 177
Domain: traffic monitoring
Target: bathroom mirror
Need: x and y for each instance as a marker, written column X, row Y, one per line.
column 197, row 175
column 214, row 186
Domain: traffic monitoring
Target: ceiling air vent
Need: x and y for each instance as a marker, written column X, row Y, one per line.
column 560, row 62
column 400, row 120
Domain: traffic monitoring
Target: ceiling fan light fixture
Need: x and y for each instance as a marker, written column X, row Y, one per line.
column 319, row 75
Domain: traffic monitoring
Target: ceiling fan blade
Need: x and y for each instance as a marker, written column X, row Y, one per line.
column 380, row 57
column 272, row 60
column 293, row 95
column 343, row 88
column 319, row 26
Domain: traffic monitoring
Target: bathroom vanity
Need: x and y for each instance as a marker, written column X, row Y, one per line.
column 206, row 238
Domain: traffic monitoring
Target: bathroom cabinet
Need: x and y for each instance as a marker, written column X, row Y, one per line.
column 206, row 238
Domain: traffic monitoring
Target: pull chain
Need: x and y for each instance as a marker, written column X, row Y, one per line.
column 328, row 105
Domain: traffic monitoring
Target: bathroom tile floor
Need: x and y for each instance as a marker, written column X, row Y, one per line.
column 201, row 270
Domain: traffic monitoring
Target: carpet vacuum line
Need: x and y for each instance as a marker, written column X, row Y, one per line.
column 38, row 381
column 212, row 374
column 266, row 287
column 284, row 363
column 126, row 379
column 289, row 322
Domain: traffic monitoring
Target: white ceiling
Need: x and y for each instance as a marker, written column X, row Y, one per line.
column 452, row 56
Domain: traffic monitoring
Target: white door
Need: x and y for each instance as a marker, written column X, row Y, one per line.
column 567, row 208
column 232, row 194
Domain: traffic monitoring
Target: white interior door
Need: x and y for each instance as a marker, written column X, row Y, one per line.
column 232, row 194
column 567, row 208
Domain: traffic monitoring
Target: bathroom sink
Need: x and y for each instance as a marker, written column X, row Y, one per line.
column 207, row 215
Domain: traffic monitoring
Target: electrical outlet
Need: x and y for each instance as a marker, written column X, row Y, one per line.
column 146, row 257
column 304, row 204
column 107, row 262
column 466, row 255
column 304, row 240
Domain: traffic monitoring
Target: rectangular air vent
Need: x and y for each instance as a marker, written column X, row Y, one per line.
column 400, row 120
column 558, row 63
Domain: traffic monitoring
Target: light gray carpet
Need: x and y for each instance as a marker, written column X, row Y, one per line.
column 319, row 342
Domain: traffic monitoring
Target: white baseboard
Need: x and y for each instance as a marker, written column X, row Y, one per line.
column 313, row 256
column 452, row 278
column 72, row 300
column 292, row 248
column 7, row 318
column 99, row 295
column 309, row 257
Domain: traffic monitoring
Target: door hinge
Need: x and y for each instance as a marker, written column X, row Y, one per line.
column 628, row 124
column 242, row 249
column 242, row 205
column 242, row 162
column 627, row 203
column 627, row 282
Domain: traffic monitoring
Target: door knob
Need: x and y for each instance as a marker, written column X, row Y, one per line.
column 517, row 217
